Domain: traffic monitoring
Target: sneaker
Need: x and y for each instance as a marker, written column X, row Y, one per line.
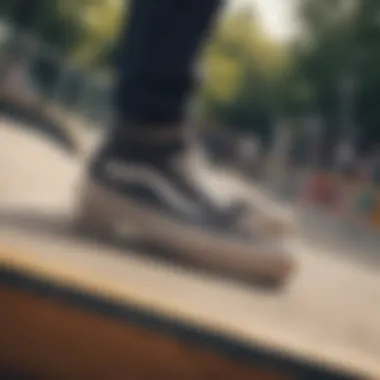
column 150, row 195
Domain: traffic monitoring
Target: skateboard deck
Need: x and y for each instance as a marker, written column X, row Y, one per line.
column 76, row 308
column 76, row 302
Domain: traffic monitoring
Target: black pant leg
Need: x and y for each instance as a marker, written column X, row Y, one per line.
column 160, row 45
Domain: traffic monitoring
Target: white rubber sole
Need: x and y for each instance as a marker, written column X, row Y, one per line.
column 101, row 211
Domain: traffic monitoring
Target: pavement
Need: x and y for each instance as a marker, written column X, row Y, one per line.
column 333, row 301
column 332, row 231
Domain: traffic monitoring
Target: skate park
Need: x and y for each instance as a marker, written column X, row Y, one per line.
column 76, row 307
column 49, row 273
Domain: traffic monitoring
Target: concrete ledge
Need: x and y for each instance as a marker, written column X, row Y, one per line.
column 46, row 117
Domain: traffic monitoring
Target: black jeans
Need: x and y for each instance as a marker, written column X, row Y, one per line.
column 160, row 45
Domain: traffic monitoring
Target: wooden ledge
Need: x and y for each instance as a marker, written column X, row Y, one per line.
column 69, row 325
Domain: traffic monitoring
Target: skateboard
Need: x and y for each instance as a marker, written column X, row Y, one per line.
column 89, row 310
column 76, row 308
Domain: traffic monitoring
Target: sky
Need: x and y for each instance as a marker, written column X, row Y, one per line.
column 277, row 16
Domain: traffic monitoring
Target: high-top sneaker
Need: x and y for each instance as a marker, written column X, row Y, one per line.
column 148, row 193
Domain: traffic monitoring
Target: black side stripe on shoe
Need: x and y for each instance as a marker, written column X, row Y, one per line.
column 146, row 177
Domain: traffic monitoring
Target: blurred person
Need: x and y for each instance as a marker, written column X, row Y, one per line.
column 375, row 166
column 345, row 158
column 249, row 154
column 375, row 182
column 365, row 203
column 368, row 176
column 364, row 169
column 142, row 179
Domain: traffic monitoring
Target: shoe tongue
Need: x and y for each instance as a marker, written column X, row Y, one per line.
column 186, row 164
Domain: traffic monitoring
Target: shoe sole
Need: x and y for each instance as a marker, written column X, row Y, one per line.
column 101, row 211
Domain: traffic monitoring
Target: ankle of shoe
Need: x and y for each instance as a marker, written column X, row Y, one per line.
column 149, row 133
column 148, row 143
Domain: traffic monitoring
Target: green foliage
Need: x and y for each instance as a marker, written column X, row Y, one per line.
column 83, row 29
column 53, row 21
column 341, row 41
column 101, row 23
column 245, row 70
column 250, row 78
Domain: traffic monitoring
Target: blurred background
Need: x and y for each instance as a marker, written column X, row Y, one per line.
column 290, row 97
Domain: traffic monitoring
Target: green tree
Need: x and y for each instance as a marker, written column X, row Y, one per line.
column 339, row 46
column 101, row 23
column 245, row 70
column 56, row 22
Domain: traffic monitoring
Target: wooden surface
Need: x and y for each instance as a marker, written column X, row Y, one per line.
column 59, row 342
column 328, row 314
column 218, row 305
